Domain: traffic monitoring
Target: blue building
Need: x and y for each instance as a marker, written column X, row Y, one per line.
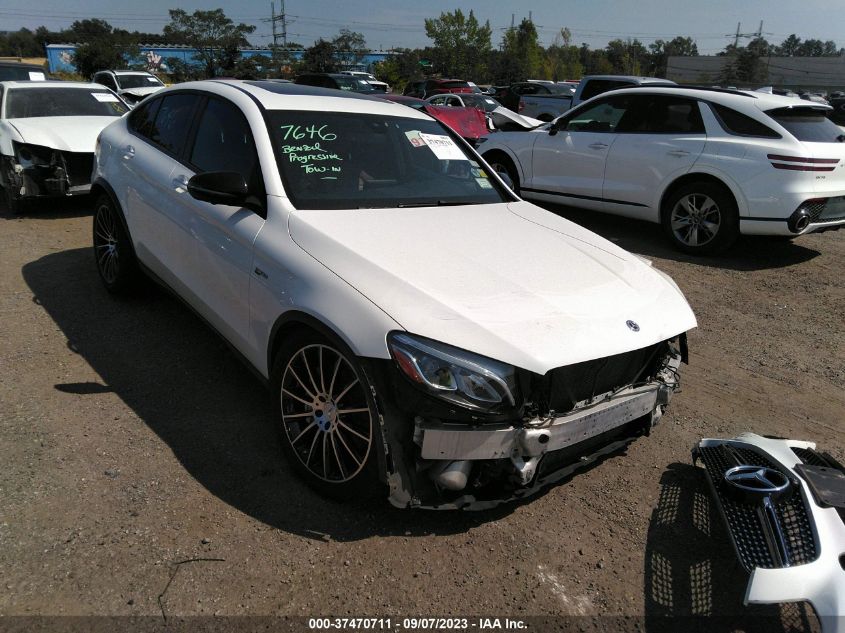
column 154, row 56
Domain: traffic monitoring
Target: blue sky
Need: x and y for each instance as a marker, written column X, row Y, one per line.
column 387, row 24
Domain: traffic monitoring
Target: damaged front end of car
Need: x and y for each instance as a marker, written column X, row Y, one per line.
column 38, row 171
column 464, row 431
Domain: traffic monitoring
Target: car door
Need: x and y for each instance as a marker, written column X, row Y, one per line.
column 659, row 138
column 217, row 240
column 158, row 132
column 569, row 161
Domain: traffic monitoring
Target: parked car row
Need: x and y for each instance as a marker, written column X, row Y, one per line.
column 375, row 270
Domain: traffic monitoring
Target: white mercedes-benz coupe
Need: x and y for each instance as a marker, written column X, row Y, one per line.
column 47, row 134
column 707, row 164
column 425, row 333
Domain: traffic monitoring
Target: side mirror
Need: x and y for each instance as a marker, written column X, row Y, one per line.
column 554, row 128
column 219, row 187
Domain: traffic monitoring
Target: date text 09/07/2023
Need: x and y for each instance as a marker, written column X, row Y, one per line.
column 414, row 624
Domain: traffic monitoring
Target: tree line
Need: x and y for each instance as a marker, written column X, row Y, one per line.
column 462, row 47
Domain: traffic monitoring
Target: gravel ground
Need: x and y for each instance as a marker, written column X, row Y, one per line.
column 131, row 440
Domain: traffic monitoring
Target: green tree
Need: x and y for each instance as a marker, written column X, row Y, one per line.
column 562, row 59
column 461, row 44
column 627, row 57
column 102, row 47
column 211, row 33
column 399, row 68
column 22, row 43
column 661, row 51
column 789, row 47
column 320, row 57
column 522, row 54
column 349, row 48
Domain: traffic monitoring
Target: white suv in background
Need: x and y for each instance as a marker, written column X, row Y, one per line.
column 131, row 85
column 706, row 164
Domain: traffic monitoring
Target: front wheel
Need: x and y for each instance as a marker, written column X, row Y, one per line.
column 115, row 259
column 503, row 166
column 327, row 418
column 701, row 218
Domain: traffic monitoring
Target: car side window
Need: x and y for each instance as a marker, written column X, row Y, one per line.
column 738, row 124
column 659, row 114
column 173, row 121
column 601, row 117
column 224, row 142
column 142, row 119
column 438, row 100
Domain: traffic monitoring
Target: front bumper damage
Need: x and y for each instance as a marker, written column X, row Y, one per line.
column 476, row 464
column 791, row 541
column 52, row 173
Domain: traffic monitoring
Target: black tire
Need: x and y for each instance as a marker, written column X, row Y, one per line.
column 326, row 417
column 113, row 252
column 503, row 165
column 700, row 218
column 14, row 205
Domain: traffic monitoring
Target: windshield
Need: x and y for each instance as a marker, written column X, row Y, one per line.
column 808, row 124
column 336, row 160
column 25, row 103
column 353, row 84
column 138, row 81
column 21, row 73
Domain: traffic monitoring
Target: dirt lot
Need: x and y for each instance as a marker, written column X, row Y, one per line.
column 132, row 440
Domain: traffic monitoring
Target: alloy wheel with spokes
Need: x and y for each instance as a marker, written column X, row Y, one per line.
column 326, row 416
column 106, row 245
column 696, row 219
column 701, row 217
column 113, row 254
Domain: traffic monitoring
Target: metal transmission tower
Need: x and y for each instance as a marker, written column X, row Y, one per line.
column 274, row 20
column 757, row 34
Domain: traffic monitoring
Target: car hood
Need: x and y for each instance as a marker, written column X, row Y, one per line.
column 140, row 92
column 64, row 133
column 509, row 281
column 467, row 122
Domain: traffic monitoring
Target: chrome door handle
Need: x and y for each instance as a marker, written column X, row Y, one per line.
column 598, row 146
column 128, row 152
column 678, row 152
column 180, row 182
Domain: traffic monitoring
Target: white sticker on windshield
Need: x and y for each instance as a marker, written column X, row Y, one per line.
column 105, row 97
column 484, row 183
column 443, row 147
column 414, row 138
column 152, row 80
column 36, row 76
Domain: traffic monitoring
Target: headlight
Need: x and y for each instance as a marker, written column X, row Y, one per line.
column 453, row 374
column 30, row 155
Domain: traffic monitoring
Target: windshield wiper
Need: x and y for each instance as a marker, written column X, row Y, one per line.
column 437, row 203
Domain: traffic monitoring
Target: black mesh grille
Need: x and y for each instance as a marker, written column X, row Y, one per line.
column 748, row 523
column 568, row 385
column 826, row 209
column 79, row 166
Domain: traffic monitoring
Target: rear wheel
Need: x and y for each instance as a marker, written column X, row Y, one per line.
column 701, row 218
column 326, row 416
column 115, row 259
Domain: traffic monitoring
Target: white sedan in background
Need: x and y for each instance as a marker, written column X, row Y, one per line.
column 706, row 164
column 47, row 135
column 423, row 331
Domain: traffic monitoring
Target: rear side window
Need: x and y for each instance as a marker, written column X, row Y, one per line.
column 172, row 122
column 808, row 124
column 738, row 124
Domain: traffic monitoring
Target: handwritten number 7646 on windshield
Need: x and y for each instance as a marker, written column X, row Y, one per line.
column 312, row 132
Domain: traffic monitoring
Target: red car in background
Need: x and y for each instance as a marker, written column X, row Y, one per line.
column 470, row 123
column 425, row 88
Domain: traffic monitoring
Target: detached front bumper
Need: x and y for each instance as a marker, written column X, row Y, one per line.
column 792, row 542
